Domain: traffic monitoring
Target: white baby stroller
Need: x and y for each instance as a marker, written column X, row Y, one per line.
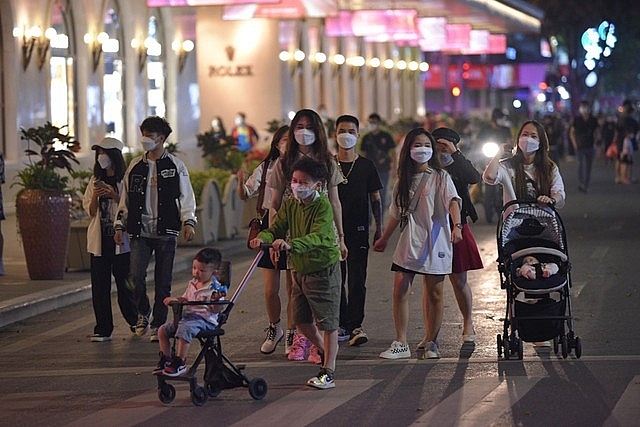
column 538, row 306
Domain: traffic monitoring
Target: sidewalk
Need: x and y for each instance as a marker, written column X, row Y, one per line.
column 21, row 297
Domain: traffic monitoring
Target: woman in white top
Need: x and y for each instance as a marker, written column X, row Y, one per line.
column 425, row 245
column 250, row 187
column 530, row 174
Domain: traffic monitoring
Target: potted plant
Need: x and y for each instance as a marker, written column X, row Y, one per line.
column 43, row 204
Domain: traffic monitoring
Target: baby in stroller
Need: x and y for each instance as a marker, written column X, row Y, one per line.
column 204, row 286
column 533, row 269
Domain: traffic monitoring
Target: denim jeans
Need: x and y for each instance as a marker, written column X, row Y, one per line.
column 165, row 251
column 585, row 161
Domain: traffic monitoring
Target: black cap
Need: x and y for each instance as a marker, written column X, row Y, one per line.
column 446, row 133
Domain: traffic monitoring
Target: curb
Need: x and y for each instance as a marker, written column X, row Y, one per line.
column 34, row 304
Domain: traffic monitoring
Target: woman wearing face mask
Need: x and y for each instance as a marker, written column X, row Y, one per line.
column 529, row 174
column 307, row 138
column 424, row 203
column 251, row 187
column 100, row 202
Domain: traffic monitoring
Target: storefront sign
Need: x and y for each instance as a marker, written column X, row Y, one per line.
column 230, row 70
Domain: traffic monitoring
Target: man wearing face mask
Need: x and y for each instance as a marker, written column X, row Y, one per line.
column 244, row 135
column 157, row 203
column 100, row 202
column 377, row 145
column 360, row 188
column 582, row 136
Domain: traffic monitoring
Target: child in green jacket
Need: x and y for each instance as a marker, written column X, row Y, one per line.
column 314, row 260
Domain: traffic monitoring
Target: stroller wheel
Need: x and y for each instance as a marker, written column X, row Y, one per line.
column 166, row 393
column 213, row 390
column 499, row 342
column 199, row 396
column 565, row 346
column 258, row 388
column 578, row 347
column 520, row 349
column 507, row 349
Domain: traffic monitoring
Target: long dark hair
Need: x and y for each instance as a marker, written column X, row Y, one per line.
column 542, row 164
column 320, row 147
column 407, row 167
column 274, row 151
column 117, row 162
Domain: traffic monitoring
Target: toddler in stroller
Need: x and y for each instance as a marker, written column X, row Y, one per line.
column 535, row 271
column 200, row 313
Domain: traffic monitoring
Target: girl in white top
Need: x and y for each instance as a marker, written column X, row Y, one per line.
column 530, row 174
column 425, row 245
column 250, row 187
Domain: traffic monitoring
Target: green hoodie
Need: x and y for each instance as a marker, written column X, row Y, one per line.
column 313, row 238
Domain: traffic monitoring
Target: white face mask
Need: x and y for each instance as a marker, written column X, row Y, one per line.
column 148, row 144
column 584, row 110
column 238, row 121
column 104, row 161
column 346, row 140
column 304, row 136
column 372, row 127
column 528, row 145
column 421, row 154
column 302, row 192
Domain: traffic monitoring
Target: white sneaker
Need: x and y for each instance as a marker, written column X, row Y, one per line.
column 427, row 350
column 396, row 351
column 274, row 335
column 343, row 335
column 358, row 337
column 154, row 335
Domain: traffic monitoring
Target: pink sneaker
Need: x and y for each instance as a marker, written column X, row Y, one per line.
column 298, row 350
column 314, row 355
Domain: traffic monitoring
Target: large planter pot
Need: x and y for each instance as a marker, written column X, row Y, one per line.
column 44, row 222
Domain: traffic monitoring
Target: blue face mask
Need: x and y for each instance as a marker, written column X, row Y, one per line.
column 445, row 158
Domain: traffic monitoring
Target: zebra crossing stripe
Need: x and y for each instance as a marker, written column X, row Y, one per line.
column 627, row 409
column 479, row 402
column 307, row 405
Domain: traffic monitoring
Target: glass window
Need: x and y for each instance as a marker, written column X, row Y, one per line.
column 61, row 69
column 113, row 80
column 155, row 69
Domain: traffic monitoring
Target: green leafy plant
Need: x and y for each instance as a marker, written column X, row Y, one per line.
column 219, row 151
column 77, row 187
column 199, row 178
column 56, row 151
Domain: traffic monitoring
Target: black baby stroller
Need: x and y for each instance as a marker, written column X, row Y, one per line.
column 538, row 308
column 219, row 372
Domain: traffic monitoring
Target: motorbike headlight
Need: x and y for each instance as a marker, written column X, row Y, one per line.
column 490, row 149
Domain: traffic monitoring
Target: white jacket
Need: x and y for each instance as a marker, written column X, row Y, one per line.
column 94, row 233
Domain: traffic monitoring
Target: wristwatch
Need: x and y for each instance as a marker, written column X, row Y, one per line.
column 459, row 225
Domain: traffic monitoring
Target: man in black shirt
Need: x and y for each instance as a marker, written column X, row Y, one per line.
column 582, row 136
column 359, row 189
column 377, row 146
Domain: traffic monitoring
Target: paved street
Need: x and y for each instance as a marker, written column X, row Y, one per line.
column 54, row 375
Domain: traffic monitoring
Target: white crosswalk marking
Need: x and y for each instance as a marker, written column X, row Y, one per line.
column 627, row 410
column 478, row 402
column 303, row 407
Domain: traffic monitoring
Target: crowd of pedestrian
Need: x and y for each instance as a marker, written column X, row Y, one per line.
column 322, row 211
